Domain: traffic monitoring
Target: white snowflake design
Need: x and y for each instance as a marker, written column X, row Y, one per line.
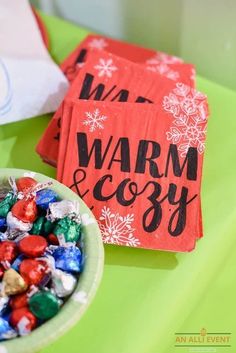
column 117, row 229
column 161, row 57
column 189, row 109
column 97, row 43
column 193, row 75
column 94, row 120
column 80, row 65
column 105, row 68
column 164, row 70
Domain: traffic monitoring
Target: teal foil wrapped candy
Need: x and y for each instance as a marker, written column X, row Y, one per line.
column 42, row 226
column 7, row 203
column 68, row 228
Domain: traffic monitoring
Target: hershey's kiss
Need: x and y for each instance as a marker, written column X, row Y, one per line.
column 16, row 224
column 25, row 184
column 13, row 283
column 25, row 210
column 63, row 283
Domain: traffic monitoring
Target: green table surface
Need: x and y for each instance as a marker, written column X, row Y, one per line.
column 146, row 297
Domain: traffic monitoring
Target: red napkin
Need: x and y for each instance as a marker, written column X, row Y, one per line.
column 107, row 77
column 142, row 184
column 167, row 65
column 138, row 166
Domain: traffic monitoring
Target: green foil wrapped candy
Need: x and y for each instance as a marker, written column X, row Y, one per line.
column 6, row 204
column 44, row 304
column 48, row 227
column 42, row 226
column 67, row 228
column 37, row 226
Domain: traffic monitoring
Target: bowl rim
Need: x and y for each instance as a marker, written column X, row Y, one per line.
column 88, row 282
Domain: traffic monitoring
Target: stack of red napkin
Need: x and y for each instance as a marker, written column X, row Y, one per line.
column 129, row 139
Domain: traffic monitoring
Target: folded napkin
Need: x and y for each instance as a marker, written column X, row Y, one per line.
column 31, row 83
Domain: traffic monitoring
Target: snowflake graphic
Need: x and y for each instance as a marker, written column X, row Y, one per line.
column 189, row 109
column 97, row 43
column 117, row 229
column 193, row 75
column 80, row 65
column 105, row 68
column 94, row 120
column 161, row 57
column 164, row 70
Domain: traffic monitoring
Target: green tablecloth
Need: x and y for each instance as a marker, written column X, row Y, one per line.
column 146, row 297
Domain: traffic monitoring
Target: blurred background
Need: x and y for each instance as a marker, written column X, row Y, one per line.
column 200, row 31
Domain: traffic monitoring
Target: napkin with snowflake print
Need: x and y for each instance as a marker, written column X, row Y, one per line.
column 167, row 65
column 129, row 139
column 143, row 185
column 106, row 76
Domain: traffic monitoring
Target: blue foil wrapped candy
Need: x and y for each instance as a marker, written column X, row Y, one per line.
column 6, row 331
column 68, row 258
column 16, row 263
column 7, row 203
column 3, row 222
column 45, row 197
column 3, row 304
column 55, row 273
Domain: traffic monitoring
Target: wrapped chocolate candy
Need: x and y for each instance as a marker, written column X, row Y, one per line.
column 45, row 197
column 25, row 210
column 40, row 259
column 15, row 224
column 1, row 271
column 63, row 283
column 68, row 228
column 23, row 320
column 33, row 271
column 37, row 227
column 7, row 203
column 61, row 209
column 8, row 251
column 25, row 184
column 19, row 301
column 3, row 303
column 44, row 304
column 13, row 283
column 42, row 226
column 3, row 223
column 6, row 331
column 68, row 258
column 33, row 245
